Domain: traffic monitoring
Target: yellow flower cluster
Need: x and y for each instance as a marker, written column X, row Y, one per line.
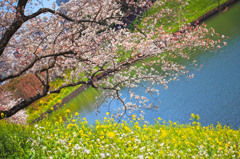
column 135, row 140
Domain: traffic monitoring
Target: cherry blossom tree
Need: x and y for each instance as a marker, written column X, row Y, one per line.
column 90, row 38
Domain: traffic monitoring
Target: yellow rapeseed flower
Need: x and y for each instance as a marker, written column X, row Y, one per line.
column 41, row 102
column 69, row 125
column 127, row 128
column 111, row 134
column 76, row 114
column 192, row 115
column 134, row 117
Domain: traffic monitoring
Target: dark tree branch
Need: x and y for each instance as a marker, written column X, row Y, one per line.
column 68, row 85
column 17, row 23
column 21, row 18
column 106, row 73
column 51, row 65
column 32, row 64
column 39, row 78
column 21, row 7
column 23, row 104
column 48, row 10
column 125, row 107
column 47, row 78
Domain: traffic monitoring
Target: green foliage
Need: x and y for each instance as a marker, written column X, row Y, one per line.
column 191, row 12
column 13, row 140
column 75, row 138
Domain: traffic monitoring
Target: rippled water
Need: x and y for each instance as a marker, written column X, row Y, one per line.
column 214, row 92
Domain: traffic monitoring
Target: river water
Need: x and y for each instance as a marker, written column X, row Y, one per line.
column 213, row 93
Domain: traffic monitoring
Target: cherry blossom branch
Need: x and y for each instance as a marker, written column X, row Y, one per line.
column 17, row 23
column 68, row 85
column 21, row 105
column 48, row 10
column 32, row 64
column 21, row 19
column 48, row 46
column 125, row 107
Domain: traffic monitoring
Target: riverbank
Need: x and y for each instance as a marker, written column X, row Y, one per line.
column 221, row 8
column 81, row 89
